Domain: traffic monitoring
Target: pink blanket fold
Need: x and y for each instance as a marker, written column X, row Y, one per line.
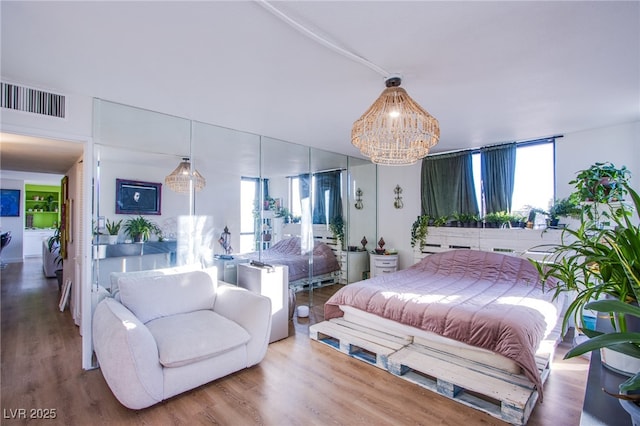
column 483, row 299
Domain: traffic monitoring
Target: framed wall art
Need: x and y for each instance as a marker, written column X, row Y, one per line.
column 136, row 197
column 10, row 202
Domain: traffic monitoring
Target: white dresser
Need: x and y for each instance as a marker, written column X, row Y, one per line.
column 273, row 283
column 383, row 264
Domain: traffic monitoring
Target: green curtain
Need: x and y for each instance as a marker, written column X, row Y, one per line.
column 325, row 182
column 328, row 198
column 498, row 168
column 447, row 185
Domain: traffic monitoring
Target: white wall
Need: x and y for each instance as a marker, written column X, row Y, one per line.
column 362, row 222
column 579, row 150
column 394, row 225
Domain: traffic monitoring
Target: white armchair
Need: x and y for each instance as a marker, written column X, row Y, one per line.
column 172, row 333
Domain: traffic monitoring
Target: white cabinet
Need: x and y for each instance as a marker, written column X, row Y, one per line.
column 272, row 282
column 383, row 264
column 32, row 245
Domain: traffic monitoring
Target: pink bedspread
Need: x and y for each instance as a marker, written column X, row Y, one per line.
column 484, row 299
column 289, row 252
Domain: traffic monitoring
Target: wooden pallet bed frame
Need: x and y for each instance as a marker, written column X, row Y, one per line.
column 506, row 396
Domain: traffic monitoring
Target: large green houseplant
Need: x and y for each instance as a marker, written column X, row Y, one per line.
column 600, row 268
column 593, row 261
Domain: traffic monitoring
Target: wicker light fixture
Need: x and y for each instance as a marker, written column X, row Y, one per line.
column 395, row 130
column 180, row 179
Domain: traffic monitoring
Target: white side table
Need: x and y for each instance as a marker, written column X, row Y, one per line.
column 383, row 264
column 273, row 283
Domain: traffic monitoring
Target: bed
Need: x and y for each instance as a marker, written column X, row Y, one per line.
column 326, row 268
column 471, row 325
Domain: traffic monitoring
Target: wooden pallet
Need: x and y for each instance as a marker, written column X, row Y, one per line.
column 366, row 344
column 509, row 397
column 506, row 396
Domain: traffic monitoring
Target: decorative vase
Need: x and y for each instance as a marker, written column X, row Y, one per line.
column 364, row 242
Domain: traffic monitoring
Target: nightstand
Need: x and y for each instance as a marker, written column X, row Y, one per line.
column 383, row 264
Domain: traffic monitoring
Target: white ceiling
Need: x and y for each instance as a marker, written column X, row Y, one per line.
column 488, row 71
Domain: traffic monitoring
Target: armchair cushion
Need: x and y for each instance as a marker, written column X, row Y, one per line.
column 190, row 337
column 160, row 296
column 116, row 276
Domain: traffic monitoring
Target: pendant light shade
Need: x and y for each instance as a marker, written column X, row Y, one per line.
column 180, row 179
column 395, row 130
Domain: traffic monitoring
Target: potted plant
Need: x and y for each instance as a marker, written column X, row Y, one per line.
column 284, row 213
column 626, row 342
column 419, row 231
column 515, row 220
column 53, row 244
column 113, row 228
column 601, row 183
column 593, row 262
column 492, row 220
column 337, row 228
column 140, row 229
column 566, row 207
column 440, row 221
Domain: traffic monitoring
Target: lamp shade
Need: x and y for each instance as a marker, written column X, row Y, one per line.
column 395, row 130
column 180, row 179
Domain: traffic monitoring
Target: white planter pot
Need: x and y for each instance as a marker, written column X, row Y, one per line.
column 620, row 363
column 99, row 251
column 633, row 410
column 113, row 239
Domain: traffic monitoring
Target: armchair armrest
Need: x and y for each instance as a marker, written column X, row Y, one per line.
column 250, row 310
column 128, row 355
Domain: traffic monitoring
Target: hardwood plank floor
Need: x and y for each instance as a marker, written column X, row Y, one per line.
column 300, row 382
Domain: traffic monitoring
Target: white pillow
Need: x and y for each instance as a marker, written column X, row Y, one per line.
column 151, row 297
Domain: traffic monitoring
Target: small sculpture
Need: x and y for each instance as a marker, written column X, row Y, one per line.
column 364, row 242
column 380, row 248
column 225, row 241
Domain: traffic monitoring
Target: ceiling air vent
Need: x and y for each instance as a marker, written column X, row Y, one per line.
column 31, row 100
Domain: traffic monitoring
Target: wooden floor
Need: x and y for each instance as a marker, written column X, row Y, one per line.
column 300, row 382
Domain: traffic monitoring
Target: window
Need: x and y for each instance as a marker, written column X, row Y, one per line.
column 327, row 190
column 296, row 202
column 248, row 204
column 534, row 177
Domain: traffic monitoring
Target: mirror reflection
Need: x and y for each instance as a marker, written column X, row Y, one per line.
column 264, row 200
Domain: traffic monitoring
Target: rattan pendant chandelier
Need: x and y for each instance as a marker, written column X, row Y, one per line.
column 180, row 180
column 395, row 130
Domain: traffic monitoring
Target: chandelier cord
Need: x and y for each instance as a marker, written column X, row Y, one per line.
column 319, row 39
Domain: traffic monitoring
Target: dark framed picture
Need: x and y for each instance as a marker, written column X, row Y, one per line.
column 10, row 202
column 135, row 197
